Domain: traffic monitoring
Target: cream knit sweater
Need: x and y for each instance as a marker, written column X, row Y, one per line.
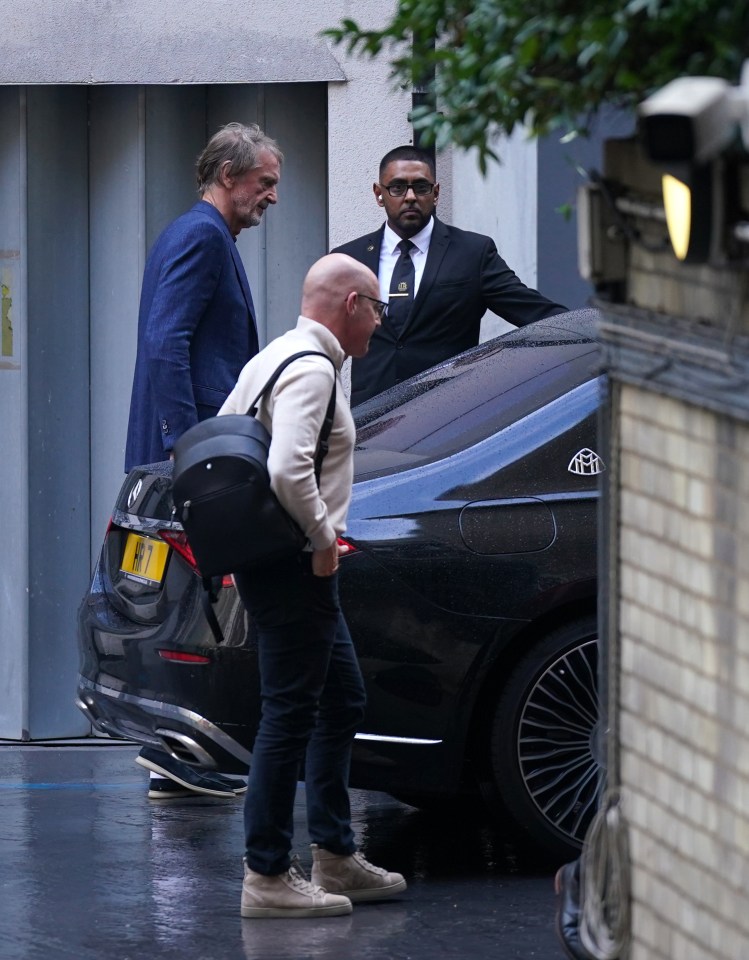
column 293, row 413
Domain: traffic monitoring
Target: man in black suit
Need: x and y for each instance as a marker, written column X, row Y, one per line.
column 438, row 280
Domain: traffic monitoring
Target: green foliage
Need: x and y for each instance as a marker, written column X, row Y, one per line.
column 548, row 64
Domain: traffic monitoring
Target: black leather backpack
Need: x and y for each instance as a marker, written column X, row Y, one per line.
column 222, row 494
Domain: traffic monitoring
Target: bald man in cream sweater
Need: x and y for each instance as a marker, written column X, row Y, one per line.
column 312, row 690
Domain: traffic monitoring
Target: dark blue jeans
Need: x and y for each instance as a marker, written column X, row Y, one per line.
column 312, row 704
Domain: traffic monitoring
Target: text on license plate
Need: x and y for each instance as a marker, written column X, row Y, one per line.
column 144, row 558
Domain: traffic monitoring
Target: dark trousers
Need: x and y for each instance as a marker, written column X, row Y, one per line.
column 312, row 704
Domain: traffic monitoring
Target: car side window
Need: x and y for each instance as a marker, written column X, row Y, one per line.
column 451, row 407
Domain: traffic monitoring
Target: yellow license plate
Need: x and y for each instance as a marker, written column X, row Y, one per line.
column 144, row 559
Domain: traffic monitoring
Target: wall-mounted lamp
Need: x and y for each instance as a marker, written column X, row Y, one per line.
column 686, row 127
column 693, row 213
column 677, row 199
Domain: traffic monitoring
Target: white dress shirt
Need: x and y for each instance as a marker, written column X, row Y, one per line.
column 389, row 253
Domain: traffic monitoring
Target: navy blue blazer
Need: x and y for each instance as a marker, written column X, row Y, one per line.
column 463, row 277
column 196, row 330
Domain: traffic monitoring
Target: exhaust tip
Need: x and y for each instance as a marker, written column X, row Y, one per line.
column 185, row 748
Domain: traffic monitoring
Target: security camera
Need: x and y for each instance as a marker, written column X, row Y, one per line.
column 690, row 120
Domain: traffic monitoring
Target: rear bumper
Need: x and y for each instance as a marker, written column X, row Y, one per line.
column 181, row 732
column 389, row 764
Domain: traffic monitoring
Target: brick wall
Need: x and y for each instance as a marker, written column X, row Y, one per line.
column 683, row 571
column 677, row 353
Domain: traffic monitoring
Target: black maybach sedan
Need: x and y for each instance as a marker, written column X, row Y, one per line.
column 470, row 594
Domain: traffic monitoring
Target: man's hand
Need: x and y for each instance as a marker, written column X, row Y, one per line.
column 325, row 562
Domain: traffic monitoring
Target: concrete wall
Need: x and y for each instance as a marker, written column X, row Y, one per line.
column 367, row 116
column 502, row 205
column 169, row 42
column 13, row 418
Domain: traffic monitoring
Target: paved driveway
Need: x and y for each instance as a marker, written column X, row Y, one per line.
column 90, row 869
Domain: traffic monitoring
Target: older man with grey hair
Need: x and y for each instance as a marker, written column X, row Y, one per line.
column 196, row 330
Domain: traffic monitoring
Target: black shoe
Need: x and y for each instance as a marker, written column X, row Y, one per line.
column 190, row 779
column 161, row 788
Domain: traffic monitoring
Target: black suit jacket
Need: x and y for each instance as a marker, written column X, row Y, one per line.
column 463, row 277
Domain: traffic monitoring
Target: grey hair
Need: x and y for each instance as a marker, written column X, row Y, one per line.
column 240, row 145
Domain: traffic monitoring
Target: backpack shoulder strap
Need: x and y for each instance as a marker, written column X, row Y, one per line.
column 211, row 587
column 280, row 369
column 327, row 424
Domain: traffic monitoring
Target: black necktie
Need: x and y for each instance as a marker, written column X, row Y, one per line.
column 402, row 287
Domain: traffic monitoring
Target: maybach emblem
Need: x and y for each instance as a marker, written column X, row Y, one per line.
column 587, row 463
column 134, row 494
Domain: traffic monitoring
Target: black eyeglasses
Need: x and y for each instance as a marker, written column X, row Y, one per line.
column 380, row 307
column 399, row 188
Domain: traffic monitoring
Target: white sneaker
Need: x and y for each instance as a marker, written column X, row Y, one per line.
column 288, row 894
column 353, row 876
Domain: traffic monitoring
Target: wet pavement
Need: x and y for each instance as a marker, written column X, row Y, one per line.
column 91, row 869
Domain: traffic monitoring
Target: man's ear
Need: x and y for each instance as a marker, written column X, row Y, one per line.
column 436, row 192
column 377, row 190
column 351, row 303
column 224, row 177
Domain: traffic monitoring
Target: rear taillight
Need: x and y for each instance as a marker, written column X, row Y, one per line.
column 350, row 548
column 178, row 542
column 177, row 656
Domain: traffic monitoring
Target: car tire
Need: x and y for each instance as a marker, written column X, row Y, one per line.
column 545, row 749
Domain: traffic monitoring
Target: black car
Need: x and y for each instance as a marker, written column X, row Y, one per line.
column 470, row 594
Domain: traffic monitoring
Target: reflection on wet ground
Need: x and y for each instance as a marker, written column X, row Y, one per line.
column 91, row 869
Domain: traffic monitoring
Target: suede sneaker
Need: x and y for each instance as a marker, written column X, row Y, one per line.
column 288, row 894
column 353, row 876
